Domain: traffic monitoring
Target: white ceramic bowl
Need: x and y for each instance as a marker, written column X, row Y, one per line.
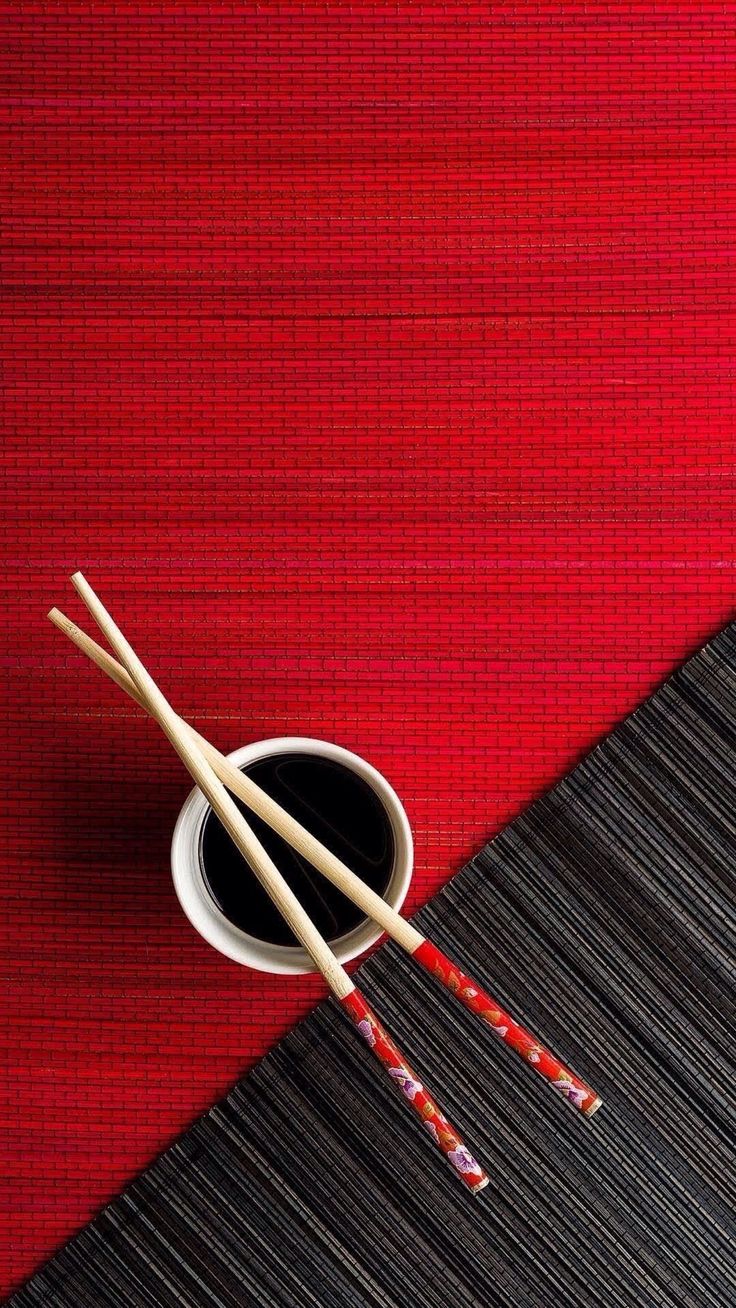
column 203, row 912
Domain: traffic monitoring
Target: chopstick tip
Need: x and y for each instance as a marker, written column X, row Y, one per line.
column 61, row 621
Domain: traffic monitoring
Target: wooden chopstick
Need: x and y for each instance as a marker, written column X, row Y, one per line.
column 342, row 987
column 469, row 992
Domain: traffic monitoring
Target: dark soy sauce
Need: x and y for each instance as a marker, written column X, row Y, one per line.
column 340, row 809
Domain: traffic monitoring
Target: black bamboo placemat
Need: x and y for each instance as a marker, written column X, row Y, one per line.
column 605, row 917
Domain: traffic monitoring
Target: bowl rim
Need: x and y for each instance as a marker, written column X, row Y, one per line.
column 238, row 945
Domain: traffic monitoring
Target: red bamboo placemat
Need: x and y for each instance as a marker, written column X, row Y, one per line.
column 375, row 363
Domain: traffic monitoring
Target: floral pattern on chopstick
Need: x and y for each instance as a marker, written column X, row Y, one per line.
column 515, row 1036
column 434, row 1122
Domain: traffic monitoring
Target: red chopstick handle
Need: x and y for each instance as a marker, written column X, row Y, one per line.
column 474, row 997
column 433, row 1121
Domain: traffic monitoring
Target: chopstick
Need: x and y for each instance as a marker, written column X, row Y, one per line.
column 338, row 981
column 463, row 987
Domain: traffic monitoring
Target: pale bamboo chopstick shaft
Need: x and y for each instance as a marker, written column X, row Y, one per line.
column 191, row 754
column 261, row 804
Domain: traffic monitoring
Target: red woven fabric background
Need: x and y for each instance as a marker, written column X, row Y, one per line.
column 375, row 362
